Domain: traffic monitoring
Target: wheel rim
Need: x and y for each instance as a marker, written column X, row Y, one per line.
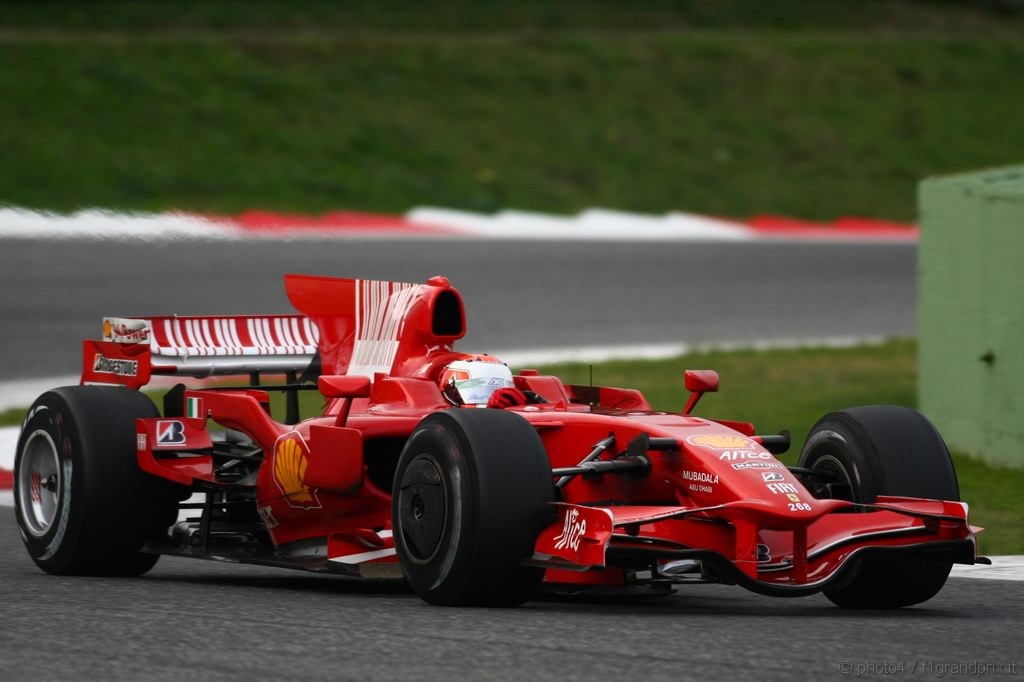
column 423, row 509
column 39, row 483
column 835, row 482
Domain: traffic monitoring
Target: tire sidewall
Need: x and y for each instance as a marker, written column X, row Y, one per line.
column 885, row 450
column 888, row 450
column 108, row 508
column 53, row 550
column 839, row 438
column 443, row 447
column 498, row 477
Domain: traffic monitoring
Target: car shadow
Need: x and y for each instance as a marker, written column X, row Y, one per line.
column 717, row 602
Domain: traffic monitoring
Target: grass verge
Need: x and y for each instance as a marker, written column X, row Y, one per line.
column 792, row 389
column 12, row 417
column 723, row 108
column 472, row 16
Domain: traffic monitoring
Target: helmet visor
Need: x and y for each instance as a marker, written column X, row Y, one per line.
column 477, row 391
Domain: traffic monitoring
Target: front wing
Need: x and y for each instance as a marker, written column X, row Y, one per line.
column 744, row 543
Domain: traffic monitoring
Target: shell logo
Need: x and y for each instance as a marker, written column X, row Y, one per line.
column 721, row 442
column 290, row 464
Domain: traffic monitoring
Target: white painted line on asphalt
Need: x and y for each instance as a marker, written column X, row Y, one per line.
column 23, row 393
column 551, row 356
column 663, row 351
column 8, row 446
column 1002, row 568
column 6, row 498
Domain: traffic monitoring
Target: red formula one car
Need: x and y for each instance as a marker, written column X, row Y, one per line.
column 442, row 468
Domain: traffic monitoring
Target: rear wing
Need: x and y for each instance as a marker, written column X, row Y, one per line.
column 133, row 349
column 347, row 326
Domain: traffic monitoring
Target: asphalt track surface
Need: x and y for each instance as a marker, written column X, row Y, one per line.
column 204, row 620
column 199, row 620
column 518, row 295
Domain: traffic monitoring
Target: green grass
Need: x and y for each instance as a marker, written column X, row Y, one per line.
column 775, row 390
column 12, row 417
column 993, row 494
column 792, row 389
column 724, row 108
column 460, row 16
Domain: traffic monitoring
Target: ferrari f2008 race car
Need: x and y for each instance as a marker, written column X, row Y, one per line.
column 442, row 468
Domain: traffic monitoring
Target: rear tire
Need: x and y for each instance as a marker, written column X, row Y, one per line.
column 882, row 450
column 471, row 495
column 83, row 505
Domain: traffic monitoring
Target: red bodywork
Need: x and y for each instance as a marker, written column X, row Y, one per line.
column 321, row 489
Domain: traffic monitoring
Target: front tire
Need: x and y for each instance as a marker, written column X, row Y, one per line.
column 864, row 452
column 83, row 505
column 471, row 495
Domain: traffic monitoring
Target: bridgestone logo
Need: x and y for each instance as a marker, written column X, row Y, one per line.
column 121, row 368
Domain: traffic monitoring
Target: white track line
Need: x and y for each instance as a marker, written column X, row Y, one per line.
column 22, row 393
column 664, row 351
column 8, row 444
column 1002, row 568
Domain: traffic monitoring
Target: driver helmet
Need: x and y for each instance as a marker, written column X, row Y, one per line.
column 471, row 381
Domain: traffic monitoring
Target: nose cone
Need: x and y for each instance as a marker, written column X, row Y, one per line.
column 741, row 469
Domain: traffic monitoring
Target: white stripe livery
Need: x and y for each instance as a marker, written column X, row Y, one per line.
column 201, row 346
column 353, row 559
column 381, row 308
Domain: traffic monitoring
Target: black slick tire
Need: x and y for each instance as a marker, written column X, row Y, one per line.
column 471, row 495
column 83, row 505
column 864, row 452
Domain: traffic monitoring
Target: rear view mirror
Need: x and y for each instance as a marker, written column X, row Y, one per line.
column 344, row 386
column 701, row 380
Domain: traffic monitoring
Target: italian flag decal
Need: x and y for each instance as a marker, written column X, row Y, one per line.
column 194, row 408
